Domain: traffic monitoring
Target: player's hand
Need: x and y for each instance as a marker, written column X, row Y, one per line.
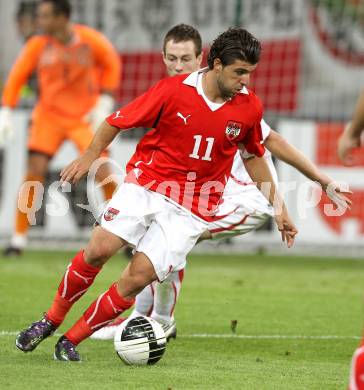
column 286, row 227
column 345, row 146
column 339, row 194
column 6, row 125
column 78, row 168
column 103, row 108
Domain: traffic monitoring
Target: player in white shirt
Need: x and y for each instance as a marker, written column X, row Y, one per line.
column 244, row 208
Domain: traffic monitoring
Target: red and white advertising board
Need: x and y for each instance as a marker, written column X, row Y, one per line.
column 311, row 213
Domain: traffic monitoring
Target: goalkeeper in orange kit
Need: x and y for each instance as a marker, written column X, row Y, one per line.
column 78, row 71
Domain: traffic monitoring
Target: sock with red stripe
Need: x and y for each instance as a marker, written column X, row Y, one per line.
column 75, row 282
column 166, row 296
column 144, row 301
column 106, row 307
column 357, row 370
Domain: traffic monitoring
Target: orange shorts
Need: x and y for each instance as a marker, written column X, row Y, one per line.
column 46, row 135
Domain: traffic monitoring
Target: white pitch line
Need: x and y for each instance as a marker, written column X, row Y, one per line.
column 7, row 333
column 4, row 333
column 268, row 337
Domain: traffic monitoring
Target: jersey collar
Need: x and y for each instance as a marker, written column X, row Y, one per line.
column 192, row 80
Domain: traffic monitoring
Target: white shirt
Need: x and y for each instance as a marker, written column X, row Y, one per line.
column 238, row 171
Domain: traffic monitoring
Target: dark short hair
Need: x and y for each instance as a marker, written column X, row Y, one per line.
column 234, row 44
column 60, row 7
column 181, row 33
column 26, row 9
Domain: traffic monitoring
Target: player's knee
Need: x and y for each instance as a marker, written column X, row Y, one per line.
column 98, row 253
column 131, row 285
column 37, row 171
column 37, row 165
column 35, row 174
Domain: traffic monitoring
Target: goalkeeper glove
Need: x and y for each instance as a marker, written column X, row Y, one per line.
column 103, row 108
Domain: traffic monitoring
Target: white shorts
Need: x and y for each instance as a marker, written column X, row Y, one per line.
column 244, row 208
column 153, row 225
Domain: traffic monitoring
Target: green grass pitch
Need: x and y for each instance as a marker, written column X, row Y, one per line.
column 299, row 320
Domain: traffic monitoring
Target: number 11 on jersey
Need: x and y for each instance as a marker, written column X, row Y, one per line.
column 196, row 148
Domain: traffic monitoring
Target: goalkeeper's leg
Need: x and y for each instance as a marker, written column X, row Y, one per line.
column 30, row 194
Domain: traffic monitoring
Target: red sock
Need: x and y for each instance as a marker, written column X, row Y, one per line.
column 107, row 307
column 76, row 281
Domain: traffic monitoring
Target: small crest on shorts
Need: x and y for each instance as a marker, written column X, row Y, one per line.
column 233, row 129
column 110, row 214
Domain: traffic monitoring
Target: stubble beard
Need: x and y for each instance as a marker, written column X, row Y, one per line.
column 225, row 93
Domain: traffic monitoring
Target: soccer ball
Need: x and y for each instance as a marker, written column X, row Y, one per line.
column 140, row 341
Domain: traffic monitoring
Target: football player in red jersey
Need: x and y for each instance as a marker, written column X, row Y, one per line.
column 244, row 208
column 198, row 123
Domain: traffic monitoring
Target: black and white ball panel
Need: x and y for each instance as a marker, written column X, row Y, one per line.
column 140, row 341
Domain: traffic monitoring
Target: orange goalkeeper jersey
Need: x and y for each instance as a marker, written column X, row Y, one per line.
column 70, row 77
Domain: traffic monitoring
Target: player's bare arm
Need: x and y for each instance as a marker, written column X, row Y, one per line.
column 258, row 170
column 73, row 172
column 286, row 152
column 350, row 139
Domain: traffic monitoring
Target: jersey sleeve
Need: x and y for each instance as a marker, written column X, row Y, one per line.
column 144, row 111
column 23, row 67
column 107, row 60
column 253, row 142
column 265, row 129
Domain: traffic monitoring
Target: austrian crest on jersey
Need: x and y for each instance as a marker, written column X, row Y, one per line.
column 233, row 129
column 110, row 214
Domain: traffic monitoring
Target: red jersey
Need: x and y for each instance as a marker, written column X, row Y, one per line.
column 188, row 153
